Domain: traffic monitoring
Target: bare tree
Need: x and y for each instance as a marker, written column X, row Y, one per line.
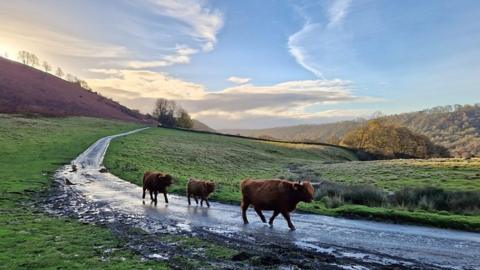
column 23, row 57
column 59, row 72
column 165, row 112
column 46, row 66
column 84, row 85
column 69, row 77
column 33, row 60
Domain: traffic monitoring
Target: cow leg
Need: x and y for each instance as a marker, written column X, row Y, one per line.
column 196, row 200
column 206, row 201
column 143, row 196
column 151, row 195
column 201, row 202
column 188, row 195
column 156, row 193
column 165, row 195
column 275, row 214
column 286, row 215
column 260, row 214
column 244, row 207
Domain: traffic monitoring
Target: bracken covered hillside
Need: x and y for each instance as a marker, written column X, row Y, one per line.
column 26, row 90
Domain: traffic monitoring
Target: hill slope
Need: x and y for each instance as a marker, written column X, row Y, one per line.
column 455, row 127
column 197, row 125
column 24, row 89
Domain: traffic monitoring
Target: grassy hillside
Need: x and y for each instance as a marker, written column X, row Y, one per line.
column 227, row 161
column 30, row 150
column 223, row 159
column 302, row 133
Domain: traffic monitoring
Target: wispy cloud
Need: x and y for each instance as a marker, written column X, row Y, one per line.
column 298, row 51
column 204, row 22
column 238, row 80
column 182, row 55
column 337, row 12
column 299, row 43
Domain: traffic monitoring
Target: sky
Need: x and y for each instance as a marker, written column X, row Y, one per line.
column 259, row 64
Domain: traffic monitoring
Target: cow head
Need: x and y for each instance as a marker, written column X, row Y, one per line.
column 304, row 191
column 210, row 186
column 167, row 179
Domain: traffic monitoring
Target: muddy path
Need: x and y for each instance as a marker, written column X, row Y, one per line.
column 319, row 242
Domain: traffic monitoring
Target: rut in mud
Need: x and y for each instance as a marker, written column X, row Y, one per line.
column 319, row 242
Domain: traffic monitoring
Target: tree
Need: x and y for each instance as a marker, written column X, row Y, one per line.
column 165, row 112
column 46, row 66
column 23, row 56
column 184, row 120
column 69, row 77
column 59, row 72
column 84, row 85
column 32, row 60
column 392, row 141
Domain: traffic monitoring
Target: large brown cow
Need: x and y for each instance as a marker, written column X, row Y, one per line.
column 156, row 182
column 198, row 188
column 277, row 195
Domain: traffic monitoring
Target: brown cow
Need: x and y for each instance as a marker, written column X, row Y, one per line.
column 277, row 195
column 198, row 188
column 156, row 182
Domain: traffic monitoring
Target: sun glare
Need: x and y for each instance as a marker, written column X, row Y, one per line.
column 8, row 51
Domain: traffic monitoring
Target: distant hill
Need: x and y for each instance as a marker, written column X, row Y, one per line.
column 455, row 127
column 26, row 90
column 197, row 125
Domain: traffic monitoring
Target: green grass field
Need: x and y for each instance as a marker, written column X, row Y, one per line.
column 224, row 160
column 451, row 174
column 228, row 160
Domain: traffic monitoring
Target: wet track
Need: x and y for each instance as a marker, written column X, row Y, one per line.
column 358, row 244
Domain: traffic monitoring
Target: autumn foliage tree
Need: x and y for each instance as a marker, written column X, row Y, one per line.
column 391, row 141
column 184, row 120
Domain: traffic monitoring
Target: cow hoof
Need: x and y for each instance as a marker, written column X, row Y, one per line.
column 292, row 229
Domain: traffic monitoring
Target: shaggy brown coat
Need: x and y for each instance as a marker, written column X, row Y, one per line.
column 156, row 182
column 199, row 188
column 277, row 195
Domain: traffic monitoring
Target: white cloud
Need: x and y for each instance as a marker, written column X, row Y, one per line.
column 298, row 51
column 204, row 23
column 300, row 44
column 238, row 80
column 337, row 12
column 181, row 56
